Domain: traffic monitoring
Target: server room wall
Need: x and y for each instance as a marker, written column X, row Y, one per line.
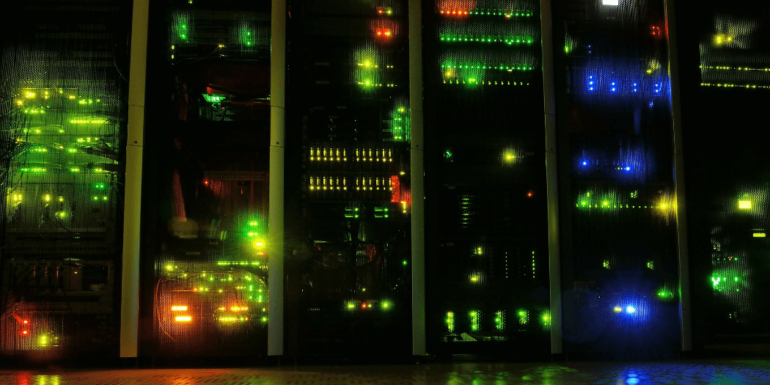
column 348, row 219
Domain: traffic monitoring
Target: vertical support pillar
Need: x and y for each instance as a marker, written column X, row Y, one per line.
column 129, row 303
column 276, row 193
column 551, row 168
column 419, row 339
column 685, row 310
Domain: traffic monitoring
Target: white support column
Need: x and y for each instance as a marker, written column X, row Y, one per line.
column 419, row 339
column 685, row 310
column 129, row 304
column 276, row 193
column 551, row 169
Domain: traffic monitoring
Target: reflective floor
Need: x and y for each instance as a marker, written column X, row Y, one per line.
column 681, row 372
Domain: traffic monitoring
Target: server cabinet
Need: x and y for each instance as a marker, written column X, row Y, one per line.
column 205, row 206
column 62, row 121
column 725, row 56
column 618, row 210
column 486, row 235
column 348, row 176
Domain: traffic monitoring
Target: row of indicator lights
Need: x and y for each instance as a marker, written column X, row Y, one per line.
column 510, row 40
column 384, row 33
column 318, row 154
column 608, row 205
column 384, row 305
column 729, row 68
column 474, row 81
column 522, row 315
column 507, row 13
column 619, row 168
column 488, row 66
column 320, row 183
column 615, row 87
column 369, row 83
column 732, row 85
column 628, row 310
column 384, row 11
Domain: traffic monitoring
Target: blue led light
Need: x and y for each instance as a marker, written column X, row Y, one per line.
column 628, row 168
column 585, row 163
column 630, row 309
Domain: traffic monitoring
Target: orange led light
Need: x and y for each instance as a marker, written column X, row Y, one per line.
column 183, row 319
column 25, row 332
column 178, row 308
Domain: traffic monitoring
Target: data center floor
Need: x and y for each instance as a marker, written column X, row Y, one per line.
column 680, row 372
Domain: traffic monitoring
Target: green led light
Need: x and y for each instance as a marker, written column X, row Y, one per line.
column 214, row 98
column 523, row 316
column 405, row 262
column 759, row 235
column 545, row 319
column 474, row 316
column 665, row 295
column 499, row 321
column 351, row 306
column 386, row 305
column 450, row 322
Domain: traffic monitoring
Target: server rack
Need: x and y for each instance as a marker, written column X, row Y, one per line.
column 725, row 66
column 63, row 123
column 618, row 208
column 486, row 234
column 348, row 258
column 204, row 222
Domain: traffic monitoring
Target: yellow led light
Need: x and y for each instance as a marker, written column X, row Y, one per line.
column 744, row 205
column 759, row 235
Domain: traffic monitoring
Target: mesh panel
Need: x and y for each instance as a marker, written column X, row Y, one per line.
column 486, row 206
column 617, row 187
column 350, row 277
column 62, row 112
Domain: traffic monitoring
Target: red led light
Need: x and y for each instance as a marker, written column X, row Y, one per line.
column 25, row 322
column 383, row 32
column 25, row 332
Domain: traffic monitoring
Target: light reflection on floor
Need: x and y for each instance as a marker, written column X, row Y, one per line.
column 691, row 372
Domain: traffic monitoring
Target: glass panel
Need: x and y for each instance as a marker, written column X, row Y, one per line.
column 616, row 180
column 61, row 126
column 486, row 215
column 727, row 169
column 349, row 284
column 206, row 179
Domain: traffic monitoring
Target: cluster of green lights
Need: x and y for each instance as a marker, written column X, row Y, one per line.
column 489, row 66
column 246, row 37
column 507, row 13
column 721, row 283
column 95, row 198
column 450, row 322
column 474, row 315
column 546, row 319
column 729, row 68
column 214, row 98
column 510, row 40
column 665, row 295
column 499, row 321
column 352, row 212
column 33, row 111
column 401, row 125
column 731, row 85
column 232, row 319
column 381, row 212
column 523, row 316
